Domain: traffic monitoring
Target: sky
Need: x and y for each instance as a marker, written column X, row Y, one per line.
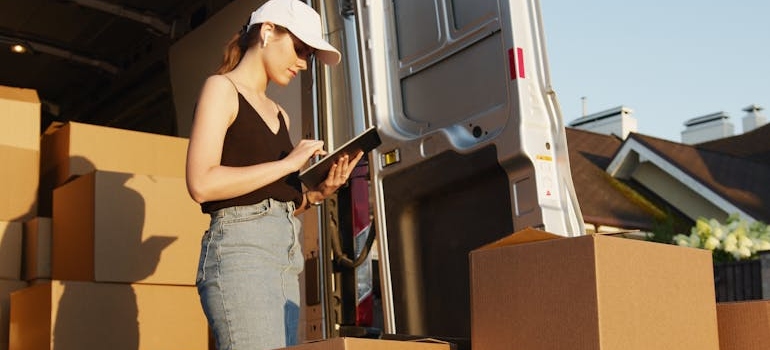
column 668, row 61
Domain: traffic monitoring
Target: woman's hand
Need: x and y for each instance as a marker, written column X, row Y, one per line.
column 304, row 150
column 339, row 174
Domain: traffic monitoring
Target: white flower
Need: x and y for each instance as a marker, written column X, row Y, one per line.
column 730, row 244
column 682, row 240
column 695, row 241
column 742, row 253
column 701, row 228
column 712, row 243
column 736, row 237
column 762, row 244
column 718, row 232
column 745, row 242
column 739, row 231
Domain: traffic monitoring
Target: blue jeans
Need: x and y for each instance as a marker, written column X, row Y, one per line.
column 248, row 276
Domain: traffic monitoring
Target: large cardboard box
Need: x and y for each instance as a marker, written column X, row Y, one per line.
column 19, row 118
column 744, row 325
column 130, row 228
column 10, row 250
column 536, row 290
column 344, row 343
column 83, row 315
column 6, row 287
column 71, row 149
column 36, row 260
column 19, row 170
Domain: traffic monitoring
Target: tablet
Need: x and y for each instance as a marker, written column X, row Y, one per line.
column 316, row 173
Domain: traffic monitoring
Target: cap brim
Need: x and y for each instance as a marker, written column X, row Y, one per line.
column 328, row 57
column 326, row 53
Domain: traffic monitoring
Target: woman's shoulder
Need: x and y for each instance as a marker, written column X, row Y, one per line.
column 219, row 87
column 218, row 96
column 220, row 81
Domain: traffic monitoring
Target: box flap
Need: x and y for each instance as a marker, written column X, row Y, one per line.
column 18, row 94
column 54, row 127
column 526, row 235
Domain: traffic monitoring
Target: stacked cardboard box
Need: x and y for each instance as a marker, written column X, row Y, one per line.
column 744, row 325
column 10, row 262
column 535, row 290
column 36, row 264
column 110, row 241
column 19, row 153
column 10, row 250
column 19, row 167
column 72, row 149
column 88, row 315
column 18, row 182
column 6, row 288
column 126, row 228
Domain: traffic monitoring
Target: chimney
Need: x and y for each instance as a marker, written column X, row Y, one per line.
column 753, row 119
column 617, row 121
column 706, row 128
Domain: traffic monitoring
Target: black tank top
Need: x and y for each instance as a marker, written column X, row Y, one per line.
column 250, row 141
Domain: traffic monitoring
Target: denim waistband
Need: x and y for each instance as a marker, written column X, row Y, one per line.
column 266, row 204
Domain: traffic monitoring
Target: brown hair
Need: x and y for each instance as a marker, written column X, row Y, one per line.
column 238, row 45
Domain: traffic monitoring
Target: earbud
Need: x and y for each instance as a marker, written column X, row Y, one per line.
column 264, row 40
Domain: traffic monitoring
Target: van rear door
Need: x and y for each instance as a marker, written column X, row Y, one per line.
column 473, row 147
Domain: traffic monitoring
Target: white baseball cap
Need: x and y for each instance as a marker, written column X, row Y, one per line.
column 302, row 21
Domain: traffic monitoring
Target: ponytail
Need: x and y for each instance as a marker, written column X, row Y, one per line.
column 239, row 43
column 237, row 46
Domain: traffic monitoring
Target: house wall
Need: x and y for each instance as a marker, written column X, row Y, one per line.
column 664, row 185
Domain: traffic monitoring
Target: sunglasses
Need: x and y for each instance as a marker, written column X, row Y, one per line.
column 302, row 50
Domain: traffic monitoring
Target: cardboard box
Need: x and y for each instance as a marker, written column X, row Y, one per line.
column 129, row 228
column 536, row 290
column 19, row 171
column 19, row 118
column 82, row 315
column 6, row 287
column 36, row 262
column 744, row 325
column 10, row 250
column 370, row 344
column 72, row 149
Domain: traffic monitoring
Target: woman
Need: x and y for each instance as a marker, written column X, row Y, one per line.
column 242, row 168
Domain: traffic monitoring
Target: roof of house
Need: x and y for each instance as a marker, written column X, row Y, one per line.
column 731, row 172
column 753, row 145
column 729, row 168
column 603, row 200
